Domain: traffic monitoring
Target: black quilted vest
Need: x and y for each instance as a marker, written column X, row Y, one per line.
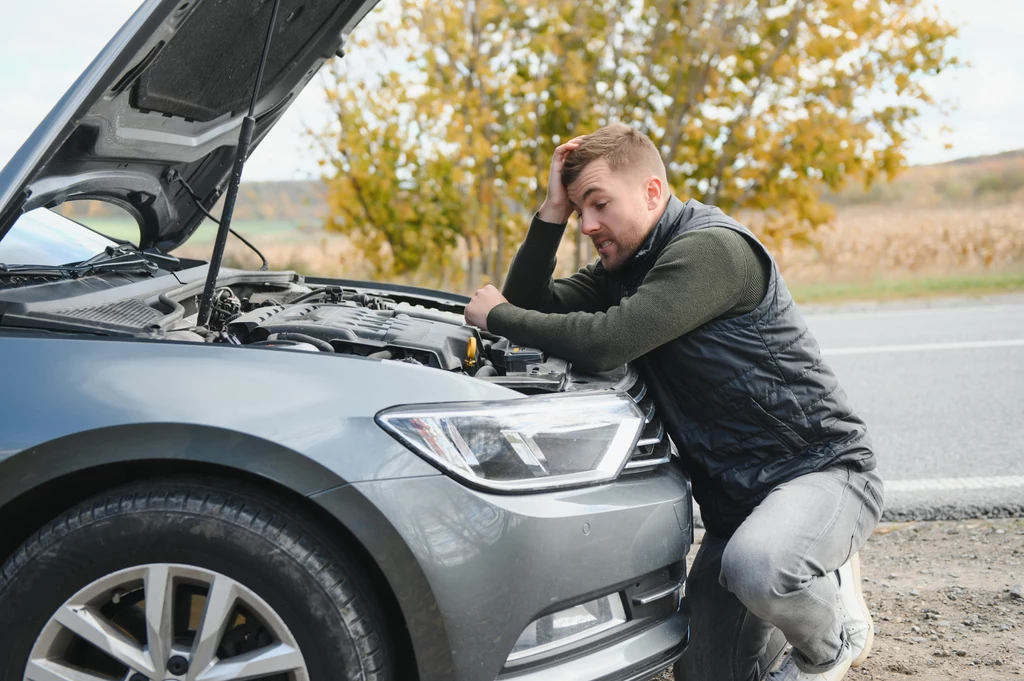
column 748, row 400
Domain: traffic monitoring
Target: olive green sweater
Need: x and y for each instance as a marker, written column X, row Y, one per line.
column 699, row 276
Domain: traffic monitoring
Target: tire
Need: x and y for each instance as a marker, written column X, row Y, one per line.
column 214, row 545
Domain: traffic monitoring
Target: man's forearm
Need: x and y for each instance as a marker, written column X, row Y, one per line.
column 699, row 277
column 590, row 340
column 530, row 285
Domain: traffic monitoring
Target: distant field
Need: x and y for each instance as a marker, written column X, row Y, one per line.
column 871, row 252
column 276, row 229
column 962, row 245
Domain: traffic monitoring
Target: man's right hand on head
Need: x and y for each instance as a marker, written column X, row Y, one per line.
column 556, row 207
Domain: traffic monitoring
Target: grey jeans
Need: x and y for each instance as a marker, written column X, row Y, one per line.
column 767, row 584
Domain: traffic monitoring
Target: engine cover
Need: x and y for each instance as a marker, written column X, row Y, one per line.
column 359, row 330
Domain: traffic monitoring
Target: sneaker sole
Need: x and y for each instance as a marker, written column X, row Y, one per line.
column 855, row 571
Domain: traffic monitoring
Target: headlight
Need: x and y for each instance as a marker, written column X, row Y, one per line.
column 523, row 445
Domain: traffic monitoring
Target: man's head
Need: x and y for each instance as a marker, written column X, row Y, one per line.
column 617, row 184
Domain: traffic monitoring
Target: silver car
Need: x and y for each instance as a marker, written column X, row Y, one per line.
column 212, row 474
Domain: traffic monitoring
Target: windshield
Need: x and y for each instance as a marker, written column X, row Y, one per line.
column 42, row 237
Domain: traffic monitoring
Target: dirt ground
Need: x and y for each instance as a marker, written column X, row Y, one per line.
column 947, row 601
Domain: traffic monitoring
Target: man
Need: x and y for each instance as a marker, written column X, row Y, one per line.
column 782, row 469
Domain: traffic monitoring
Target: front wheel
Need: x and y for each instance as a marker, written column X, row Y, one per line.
column 186, row 580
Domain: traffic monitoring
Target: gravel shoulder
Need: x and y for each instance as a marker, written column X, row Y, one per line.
column 947, row 600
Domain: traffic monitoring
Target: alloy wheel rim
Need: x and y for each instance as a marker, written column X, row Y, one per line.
column 165, row 622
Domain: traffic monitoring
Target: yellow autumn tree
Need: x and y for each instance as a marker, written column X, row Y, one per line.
column 446, row 112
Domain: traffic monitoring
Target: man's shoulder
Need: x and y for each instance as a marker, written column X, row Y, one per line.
column 721, row 240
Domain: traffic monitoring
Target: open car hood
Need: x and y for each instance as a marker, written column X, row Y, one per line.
column 167, row 95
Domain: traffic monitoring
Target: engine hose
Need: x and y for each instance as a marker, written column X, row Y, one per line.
column 381, row 354
column 177, row 311
column 309, row 294
column 321, row 345
column 486, row 370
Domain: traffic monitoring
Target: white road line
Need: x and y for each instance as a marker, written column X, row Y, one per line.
column 1000, row 308
column 940, row 484
column 923, row 347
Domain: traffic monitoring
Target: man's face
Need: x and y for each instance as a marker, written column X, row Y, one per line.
column 616, row 210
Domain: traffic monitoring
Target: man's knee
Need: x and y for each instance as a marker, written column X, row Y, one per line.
column 756, row 573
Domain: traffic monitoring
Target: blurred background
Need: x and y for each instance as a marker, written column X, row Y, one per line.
column 875, row 145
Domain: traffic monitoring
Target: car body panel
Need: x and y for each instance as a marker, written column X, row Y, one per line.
column 640, row 657
column 469, row 570
column 459, row 561
column 494, row 563
column 235, row 405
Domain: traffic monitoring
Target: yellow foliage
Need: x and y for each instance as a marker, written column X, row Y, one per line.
column 435, row 164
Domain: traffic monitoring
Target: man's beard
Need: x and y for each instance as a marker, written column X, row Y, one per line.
column 623, row 252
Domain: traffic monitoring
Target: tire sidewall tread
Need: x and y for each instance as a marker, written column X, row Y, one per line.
column 337, row 597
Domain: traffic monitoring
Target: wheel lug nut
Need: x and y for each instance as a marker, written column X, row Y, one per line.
column 177, row 665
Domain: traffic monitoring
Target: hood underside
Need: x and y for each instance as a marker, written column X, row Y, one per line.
column 166, row 98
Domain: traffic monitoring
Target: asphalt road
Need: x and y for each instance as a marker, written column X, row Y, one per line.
column 942, row 391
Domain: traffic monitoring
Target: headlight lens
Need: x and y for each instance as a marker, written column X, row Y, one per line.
column 523, row 445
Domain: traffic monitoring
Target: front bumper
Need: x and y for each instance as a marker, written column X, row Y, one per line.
column 636, row 658
column 495, row 563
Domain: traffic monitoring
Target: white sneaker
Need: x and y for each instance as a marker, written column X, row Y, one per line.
column 789, row 671
column 860, row 630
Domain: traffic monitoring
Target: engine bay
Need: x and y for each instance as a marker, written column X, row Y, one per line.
column 353, row 322
column 281, row 311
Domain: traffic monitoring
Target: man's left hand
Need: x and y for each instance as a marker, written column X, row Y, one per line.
column 484, row 300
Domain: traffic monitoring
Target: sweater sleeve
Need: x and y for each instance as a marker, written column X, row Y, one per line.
column 530, row 284
column 699, row 277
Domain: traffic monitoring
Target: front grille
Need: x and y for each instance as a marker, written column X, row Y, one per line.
column 653, row 448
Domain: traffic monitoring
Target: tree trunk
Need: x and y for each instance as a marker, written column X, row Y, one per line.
column 473, row 271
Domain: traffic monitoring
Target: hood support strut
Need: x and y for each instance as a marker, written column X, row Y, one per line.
column 241, row 152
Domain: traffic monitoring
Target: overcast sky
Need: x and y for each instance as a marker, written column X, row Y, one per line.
column 47, row 43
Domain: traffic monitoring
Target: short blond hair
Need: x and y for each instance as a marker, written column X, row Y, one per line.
column 622, row 146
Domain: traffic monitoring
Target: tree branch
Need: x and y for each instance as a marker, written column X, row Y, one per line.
column 727, row 157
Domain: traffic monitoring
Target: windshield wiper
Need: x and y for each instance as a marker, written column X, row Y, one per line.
column 124, row 260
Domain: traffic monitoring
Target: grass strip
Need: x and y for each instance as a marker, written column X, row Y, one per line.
column 961, row 284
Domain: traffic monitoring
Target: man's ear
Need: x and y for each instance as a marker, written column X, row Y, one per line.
column 654, row 189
